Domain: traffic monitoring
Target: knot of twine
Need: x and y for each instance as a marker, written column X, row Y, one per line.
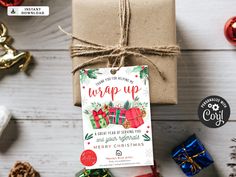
column 190, row 159
column 116, row 55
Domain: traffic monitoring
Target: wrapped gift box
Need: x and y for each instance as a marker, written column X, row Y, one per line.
column 117, row 115
column 99, row 119
column 192, row 156
column 134, row 116
column 152, row 24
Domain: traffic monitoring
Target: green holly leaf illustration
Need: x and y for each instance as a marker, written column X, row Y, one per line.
column 111, row 104
column 86, row 112
column 83, row 76
column 88, row 136
column 145, row 70
column 127, row 105
column 136, row 98
column 137, row 69
column 92, row 74
column 141, row 74
column 146, row 137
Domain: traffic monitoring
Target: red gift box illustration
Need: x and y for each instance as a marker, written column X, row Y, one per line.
column 135, row 117
column 99, row 119
column 117, row 115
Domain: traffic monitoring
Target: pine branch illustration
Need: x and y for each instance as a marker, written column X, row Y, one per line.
column 146, row 137
column 88, row 137
column 86, row 112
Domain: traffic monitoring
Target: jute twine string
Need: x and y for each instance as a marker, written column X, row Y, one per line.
column 116, row 55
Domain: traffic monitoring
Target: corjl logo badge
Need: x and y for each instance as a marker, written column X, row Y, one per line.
column 214, row 111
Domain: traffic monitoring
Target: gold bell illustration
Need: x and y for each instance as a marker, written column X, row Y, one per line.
column 11, row 56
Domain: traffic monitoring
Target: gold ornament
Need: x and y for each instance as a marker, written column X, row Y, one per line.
column 11, row 56
column 144, row 113
column 126, row 124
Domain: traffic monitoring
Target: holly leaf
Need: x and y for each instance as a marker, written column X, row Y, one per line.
column 136, row 98
column 86, row 112
column 92, row 74
column 82, row 78
column 141, row 74
column 137, row 69
column 111, row 104
column 81, row 72
column 127, row 105
column 145, row 70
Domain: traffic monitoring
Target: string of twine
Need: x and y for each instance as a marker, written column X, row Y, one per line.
column 116, row 55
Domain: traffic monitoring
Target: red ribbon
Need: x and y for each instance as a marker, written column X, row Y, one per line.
column 96, row 118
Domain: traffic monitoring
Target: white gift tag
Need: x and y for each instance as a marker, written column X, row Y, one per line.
column 116, row 117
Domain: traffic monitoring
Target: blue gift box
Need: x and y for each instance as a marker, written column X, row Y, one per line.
column 192, row 156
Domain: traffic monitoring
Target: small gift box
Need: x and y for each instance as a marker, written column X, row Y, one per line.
column 135, row 117
column 99, row 119
column 117, row 115
column 94, row 173
column 192, row 156
column 148, row 30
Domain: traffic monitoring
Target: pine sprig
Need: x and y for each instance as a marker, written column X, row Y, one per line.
column 88, row 136
column 146, row 137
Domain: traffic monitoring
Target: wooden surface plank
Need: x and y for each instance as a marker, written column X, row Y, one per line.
column 47, row 92
column 38, row 33
column 32, row 141
column 199, row 25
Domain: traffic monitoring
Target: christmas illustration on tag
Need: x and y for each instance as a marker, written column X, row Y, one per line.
column 116, row 117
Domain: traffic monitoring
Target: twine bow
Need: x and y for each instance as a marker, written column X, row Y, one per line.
column 116, row 55
column 190, row 159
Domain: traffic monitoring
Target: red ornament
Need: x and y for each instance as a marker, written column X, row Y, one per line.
column 8, row 3
column 230, row 30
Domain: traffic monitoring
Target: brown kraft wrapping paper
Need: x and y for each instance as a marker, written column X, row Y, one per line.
column 152, row 24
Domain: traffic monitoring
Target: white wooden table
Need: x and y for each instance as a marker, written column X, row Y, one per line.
column 47, row 128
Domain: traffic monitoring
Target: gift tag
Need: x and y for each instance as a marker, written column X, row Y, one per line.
column 116, row 117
